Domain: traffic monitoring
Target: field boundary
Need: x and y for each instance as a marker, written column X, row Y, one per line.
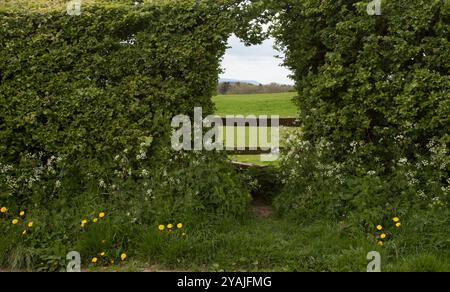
column 250, row 122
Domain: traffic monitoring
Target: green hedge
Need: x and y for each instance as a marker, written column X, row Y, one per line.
column 85, row 109
column 374, row 100
column 370, row 78
column 72, row 86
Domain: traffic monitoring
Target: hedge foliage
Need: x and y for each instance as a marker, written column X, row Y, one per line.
column 370, row 78
column 374, row 95
column 85, row 108
column 86, row 103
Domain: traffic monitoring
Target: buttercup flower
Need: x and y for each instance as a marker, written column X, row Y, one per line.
column 161, row 227
column 103, row 254
column 84, row 222
column 398, row 225
column 95, row 220
column 379, row 227
column 3, row 210
column 15, row 221
column 22, row 213
column 383, row 236
column 123, row 256
column 396, row 219
column 24, row 232
column 102, row 215
column 179, row 225
column 169, row 226
column 94, row 260
column 30, row 224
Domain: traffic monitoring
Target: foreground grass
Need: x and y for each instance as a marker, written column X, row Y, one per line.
column 270, row 244
column 256, row 104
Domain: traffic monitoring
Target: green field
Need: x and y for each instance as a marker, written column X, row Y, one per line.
column 254, row 159
column 256, row 104
column 257, row 141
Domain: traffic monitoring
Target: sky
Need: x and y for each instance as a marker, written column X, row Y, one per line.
column 254, row 63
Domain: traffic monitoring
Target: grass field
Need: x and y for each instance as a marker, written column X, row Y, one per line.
column 256, row 104
column 253, row 159
column 257, row 140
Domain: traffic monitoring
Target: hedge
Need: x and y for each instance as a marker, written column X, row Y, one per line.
column 370, row 78
column 85, row 109
column 374, row 98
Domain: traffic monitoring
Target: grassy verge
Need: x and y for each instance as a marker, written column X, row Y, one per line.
column 271, row 244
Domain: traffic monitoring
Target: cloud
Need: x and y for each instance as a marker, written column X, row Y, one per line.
column 254, row 63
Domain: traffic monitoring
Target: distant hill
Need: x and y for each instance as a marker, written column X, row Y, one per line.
column 232, row 81
column 244, row 87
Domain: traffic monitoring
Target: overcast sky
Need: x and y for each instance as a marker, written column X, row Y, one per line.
column 254, row 63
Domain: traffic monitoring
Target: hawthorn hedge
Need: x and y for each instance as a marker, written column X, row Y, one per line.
column 374, row 98
column 86, row 101
column 370, row 78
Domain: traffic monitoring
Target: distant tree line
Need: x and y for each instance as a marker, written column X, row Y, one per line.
column 225, row 88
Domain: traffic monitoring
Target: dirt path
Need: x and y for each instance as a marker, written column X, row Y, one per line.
column 261, row 208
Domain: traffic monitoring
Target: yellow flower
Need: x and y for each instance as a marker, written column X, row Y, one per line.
column 15, row 221
column 396, row 219
column 3, row 210
column 383, row 236
column 123, row 256
column 94, row 260
column 82, row 225
column 161, row 227
column 398, row 225
column 95, row 220
column 22, row 213
column 379, row 227
column 30, row 224
column 24, row 232
column 169, row 226
column 103, row 254
column 102, row 215
column 84, row 222
column 179, row 225
column 380, row 243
